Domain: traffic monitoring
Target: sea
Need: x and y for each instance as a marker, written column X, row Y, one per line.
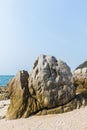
column 4, row 79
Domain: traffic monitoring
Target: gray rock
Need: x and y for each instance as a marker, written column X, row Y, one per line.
column 50, row 82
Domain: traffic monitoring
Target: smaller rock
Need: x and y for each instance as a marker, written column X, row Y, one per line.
column 84, row 71
column 4, row 93
column 18, row 92
column 78, row 71
column 80, row 79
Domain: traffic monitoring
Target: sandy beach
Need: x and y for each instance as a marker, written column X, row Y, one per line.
column 74, row 120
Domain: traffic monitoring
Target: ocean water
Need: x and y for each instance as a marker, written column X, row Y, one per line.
column 4, row 79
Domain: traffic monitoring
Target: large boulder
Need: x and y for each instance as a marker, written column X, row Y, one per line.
column 50, row 82
column 48, row 86
column 80, row 77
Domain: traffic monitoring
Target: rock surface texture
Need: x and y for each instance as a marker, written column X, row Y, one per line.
column 48, row 87
column 50, row 82
column 3, row 93
column 18, row 92
column 80, row 78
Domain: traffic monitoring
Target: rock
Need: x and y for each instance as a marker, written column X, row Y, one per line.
column 50, row 82
column 84, row 71
column 22, row 104
column 78, row 71
column 80, row 79
column 3, row 93
column 79, row 101
column 18, row 92
column 48, row 86
column 83, row 65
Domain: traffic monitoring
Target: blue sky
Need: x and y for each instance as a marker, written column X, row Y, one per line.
column 29, row 28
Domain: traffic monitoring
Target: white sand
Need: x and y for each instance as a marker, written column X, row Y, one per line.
column 3, row 107
column 75, row 120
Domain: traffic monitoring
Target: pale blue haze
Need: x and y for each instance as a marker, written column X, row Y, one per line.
column 29, row 28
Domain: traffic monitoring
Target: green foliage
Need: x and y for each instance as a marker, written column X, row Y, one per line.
column 84, row 64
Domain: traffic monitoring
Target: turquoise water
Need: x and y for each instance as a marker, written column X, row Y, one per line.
column 4, row 79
